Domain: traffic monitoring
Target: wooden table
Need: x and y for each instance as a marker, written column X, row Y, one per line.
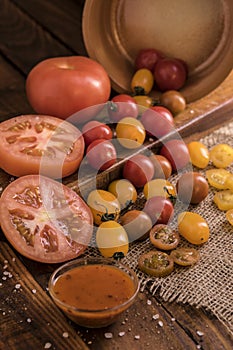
column 30, row 31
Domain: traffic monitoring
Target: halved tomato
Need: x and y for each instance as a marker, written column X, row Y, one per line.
column 39, row 144
column 45, row 220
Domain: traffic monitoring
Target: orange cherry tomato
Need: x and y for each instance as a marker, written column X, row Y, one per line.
column 224, row 200
column 193, row 227
column 159, row 187
column 130, row 132
column 218, row 178
column 199, row 154
column 124, row 191
column 142, row 81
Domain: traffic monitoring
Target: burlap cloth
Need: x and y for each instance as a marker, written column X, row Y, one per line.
column 209, row 283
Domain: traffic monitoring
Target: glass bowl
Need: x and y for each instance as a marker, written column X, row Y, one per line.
column 93, row 292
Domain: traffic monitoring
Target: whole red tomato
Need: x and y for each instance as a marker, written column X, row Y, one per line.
column 159, row 209
column 122, row 106
column 101, row 154
column 62, row 86
column 176, row 151
column 157, row 121
column 94, row 130
column 147, row 58
column 170, row 74
column 139, row 169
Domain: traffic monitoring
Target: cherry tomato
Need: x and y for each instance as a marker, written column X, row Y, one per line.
column 221, row 155
column 142, row 82
column 138, row 170
column 104, row 206
column 162, row 166
column 45, row 220
column 192, row 187
column 164, row 237
column 224, row 200
column 94, row 130
column 174, row 101
column 101, row 154
column 193, row 227
column 229, row 182
column 199, row 154
column 156, row 263
column 147, row 58
column 159, row 187
column 229, row 216
column 157, row 123
column 40, row 144
column 143, row 102
column 62, row 86
column 124, row 191
column 160, row 209
column 185, row 256
column 218, row 178
column 169, row 74
column 122, row 106
column 130, row 132
column 176, row 151
column 137, row 224
column 111, row 238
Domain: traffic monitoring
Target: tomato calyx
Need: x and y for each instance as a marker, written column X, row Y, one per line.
column 171, row 196
column 107, row 216
column 118, row 255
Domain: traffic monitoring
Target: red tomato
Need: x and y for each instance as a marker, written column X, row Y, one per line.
column 147, row 58
column 40, row 144
column 157, row 121
column 122, row 106
column 62, row 86
column 159, row 209
column 177, row 153
column 170, row 74
column 45, row 220
column 101, row 154
column 162, row 166
column 94, row 130
column 139, row 169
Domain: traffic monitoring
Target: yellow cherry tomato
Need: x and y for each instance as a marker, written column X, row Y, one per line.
column 124, row 191
column 143, row 102
column 229, row 182
column 221, row 155
column 159, row 187
column 193, row 227
column 111, row 238
column 229, row 216
column 104, row 206
column 224, row 200
column 199, row 154
column 218, row 178
column 142, row 81
column 130, row 132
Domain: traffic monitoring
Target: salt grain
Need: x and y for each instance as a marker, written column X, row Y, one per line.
column 200, row 333
column 137, row 337
column 121, row 334
column 34, row 291
column 65, row 335
column 149, row 302
column 108, row 335
column 155, row 317
column 160, row 323
column 47, row 345
column 18, row 286
column 29, row 320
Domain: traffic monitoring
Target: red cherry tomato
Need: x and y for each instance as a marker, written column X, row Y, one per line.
column 101, row 154
column 139, row 169
column 40, row 144
column 170, row 74
column 94, row 130
column 147, row 58
column 159, row 209
column 122, row 106
column 45, row 220
column 162, row 166
column 157, row 123
column 62, row 86
column 177, row 153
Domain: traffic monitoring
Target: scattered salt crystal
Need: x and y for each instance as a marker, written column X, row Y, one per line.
column 4, row 278
column 34, row 291
column 198, row 346
column 0, row 284
column 121, row 334
column 29, row 320
column 13, row 259
column 47, row 345
column 160, row 323
column 155, row 317
column 173, row 319
column 137, row 337
column 18, row 286
column 108, row 335
column 200, row 333
column 149, row 302
column 65, row 335
column 6, row 273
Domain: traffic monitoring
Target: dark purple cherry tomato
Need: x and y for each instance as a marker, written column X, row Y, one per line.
column 147, row 58
column 122, row 106
column 170, row 74
column 101, row 154
column 157, row 121
column 139, row 169
column 94, row 130
column 177, row 153
column 174, row 101
column 192, row 187
column 159, row 209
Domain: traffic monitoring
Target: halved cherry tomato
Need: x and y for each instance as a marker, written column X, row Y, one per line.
column 111, row 238
column 104, row 206
column 164, row 237
column 224, row 200
column 221, row 155
column 218, row 178
column 142, row 81
column 137, row 224
column 229, row 216
column 199, row 154
column 40, row 144
column 159, row 187
column 45, row 220
column 130, row 132
column 185, row 256
column 124, row 191
column 193, row 227
column 156, row 263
